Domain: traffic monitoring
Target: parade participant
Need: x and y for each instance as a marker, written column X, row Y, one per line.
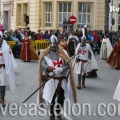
column 63, row 43
column 54, row 60
column 92, row 73
column 72, row 44
column 85, row 61
column 116, row 95
column 84, row 32
column 28, row 52
column 114, row 58
column 7, row 65
column 95, row 36
column 106, row 48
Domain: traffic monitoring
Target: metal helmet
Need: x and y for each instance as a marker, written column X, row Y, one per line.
column 53, row 40
column 54, row 43
column 83, row 38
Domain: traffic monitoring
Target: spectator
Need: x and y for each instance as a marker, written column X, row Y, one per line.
column 14, row 38
column 46, row 35
column 114, row 39
column 9, row 36
column 39, row 36
column 19, row 36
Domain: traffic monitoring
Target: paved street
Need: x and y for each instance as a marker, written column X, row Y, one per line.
column 99, row 90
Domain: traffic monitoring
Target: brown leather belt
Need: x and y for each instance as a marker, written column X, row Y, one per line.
column 60, row 78
column 2, row 65
column 83, row 61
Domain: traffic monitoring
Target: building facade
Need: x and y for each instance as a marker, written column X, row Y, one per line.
column 49, row 14
column 0, row 11
column 6, row 13
column 116, row 15
column 90, row 12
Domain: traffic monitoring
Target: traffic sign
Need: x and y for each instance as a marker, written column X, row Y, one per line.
column 72, row 19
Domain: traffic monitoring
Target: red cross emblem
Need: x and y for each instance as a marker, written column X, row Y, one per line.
column 1, row 54
column 58, row 63
column 82, row 51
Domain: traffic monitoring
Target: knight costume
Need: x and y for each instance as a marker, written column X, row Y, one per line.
column 84, row 61
column 61, row 85
column 7, row 65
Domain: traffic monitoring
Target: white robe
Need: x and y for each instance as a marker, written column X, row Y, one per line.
column 93, row 63
column 10, row 65
column 109, row 47
column 51, row 86
column 88, row 66
column 117, row 92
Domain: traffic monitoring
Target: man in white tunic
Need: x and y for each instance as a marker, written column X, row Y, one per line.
column 55, row 61
column 7, row 63
column 85, row 61
column 72, row 44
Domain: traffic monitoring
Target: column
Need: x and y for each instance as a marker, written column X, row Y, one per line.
column 54, row 23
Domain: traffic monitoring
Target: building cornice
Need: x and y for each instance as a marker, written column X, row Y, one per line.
column 6, row 2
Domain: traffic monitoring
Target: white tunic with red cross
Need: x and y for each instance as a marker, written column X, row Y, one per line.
column 81, row 68
column 2, row 69
column 1, row 57
column 51, row 86
column 83, row 53
column 7, row 76
column 55, row 63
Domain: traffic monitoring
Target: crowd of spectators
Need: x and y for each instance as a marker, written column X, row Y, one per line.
column 18, row 35
column 95, row 36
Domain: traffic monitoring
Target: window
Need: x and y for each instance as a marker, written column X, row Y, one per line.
column 64, row 12
column 84, row 12
column 25, row 11
column 21, row 10
column 18, row 17
column 48, row 14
